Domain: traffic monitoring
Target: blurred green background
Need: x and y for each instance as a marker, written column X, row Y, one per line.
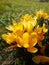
column 29, row 5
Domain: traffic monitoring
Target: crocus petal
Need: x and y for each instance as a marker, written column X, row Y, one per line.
column 33, row 39
column 10, row 27
column 29, row 27
column 38, row 29
column 23, row 43
column 32, row 49
column 26, row 40
column 9, row 38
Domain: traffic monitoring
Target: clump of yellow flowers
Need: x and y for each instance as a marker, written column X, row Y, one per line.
column 26, row 33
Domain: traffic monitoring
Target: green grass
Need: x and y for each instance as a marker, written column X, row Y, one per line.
column 30, row 5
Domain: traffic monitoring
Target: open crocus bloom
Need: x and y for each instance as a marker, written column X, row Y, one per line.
column 25, row 33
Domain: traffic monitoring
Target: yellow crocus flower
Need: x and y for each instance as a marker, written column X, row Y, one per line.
column 41, row 14
column 26, row 33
